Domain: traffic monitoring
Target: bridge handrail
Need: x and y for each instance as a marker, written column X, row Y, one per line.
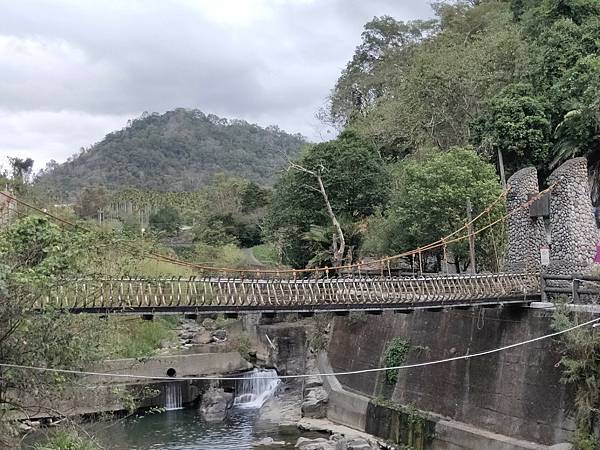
column 198, row 278
column 573, row 285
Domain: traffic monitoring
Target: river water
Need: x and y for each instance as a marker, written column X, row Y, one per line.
column 184, row 430
column 263, row 416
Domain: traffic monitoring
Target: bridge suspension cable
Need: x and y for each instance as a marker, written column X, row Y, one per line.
column 306, row 375
column 451, row 238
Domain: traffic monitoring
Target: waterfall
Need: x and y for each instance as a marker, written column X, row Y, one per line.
column 173, row 397
column 256, row 388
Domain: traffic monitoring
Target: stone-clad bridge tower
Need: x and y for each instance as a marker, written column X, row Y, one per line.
column 573, row 232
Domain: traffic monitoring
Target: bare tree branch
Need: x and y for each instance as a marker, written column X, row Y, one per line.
column 339, row 242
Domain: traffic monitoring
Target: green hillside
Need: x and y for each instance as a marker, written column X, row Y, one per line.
column 175, row 151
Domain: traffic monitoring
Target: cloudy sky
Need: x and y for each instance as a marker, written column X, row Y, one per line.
column 73, row 70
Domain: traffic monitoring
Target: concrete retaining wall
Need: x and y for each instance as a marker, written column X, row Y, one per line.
column 515, row 393
column 186, row 365
column 346, row 408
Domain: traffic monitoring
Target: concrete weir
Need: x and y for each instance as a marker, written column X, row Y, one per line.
column 98, row 394
column 507, row 400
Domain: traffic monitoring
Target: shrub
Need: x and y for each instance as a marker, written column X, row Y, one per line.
column 394, row 355
column 67, row 440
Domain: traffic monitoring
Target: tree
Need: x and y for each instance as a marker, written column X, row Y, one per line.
column 91, row 200
column 21, row 170
column 166, row 219
column 430, row 203
column 35, row 256
column 353, row 178
column 367, row 75
column 431, row 89
column 216, row 233
column 516, row 124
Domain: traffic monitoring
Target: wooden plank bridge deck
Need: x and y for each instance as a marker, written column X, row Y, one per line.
column 207, row 295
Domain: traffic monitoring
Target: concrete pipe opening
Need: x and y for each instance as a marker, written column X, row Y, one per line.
column 171, row 372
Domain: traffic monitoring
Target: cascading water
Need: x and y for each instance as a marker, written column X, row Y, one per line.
column 173, row 397
column 256, row 388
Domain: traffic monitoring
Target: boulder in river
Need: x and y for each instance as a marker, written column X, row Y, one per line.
column 214, row 405
column 314, row 444
column 202, row 337
column 336, row 442
column 219, row 335
column 354, row 444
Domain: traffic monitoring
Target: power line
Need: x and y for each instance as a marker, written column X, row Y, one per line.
column 332, row 374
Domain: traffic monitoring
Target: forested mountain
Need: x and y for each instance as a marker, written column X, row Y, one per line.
column 175, row 151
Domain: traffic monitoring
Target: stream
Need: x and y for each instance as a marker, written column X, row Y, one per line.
column 263, row 416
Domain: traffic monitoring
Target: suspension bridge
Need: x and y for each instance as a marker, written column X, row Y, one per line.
column 236, row 295
column 232, row 291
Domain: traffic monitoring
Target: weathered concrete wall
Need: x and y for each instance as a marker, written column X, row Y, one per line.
column 186, row 365
column 572, row 224
column 95, row 399
column 515, row 393
column 289, row 340
column 346, row 408
column 525, row 235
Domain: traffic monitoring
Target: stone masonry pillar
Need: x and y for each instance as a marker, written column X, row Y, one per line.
column 525, row 235
column 572, row 224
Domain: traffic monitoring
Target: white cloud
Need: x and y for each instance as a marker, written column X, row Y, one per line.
column 73, row 70
column 47, row 135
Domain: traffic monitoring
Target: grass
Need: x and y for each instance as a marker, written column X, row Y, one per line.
column 266, row 254
column 67, row 440
column 137, row 338
column 155, row 269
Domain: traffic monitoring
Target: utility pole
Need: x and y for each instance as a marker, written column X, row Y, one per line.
column 471, row 236
column 501, row 166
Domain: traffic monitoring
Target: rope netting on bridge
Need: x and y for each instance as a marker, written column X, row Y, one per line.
column 380, row 266
column 208, row 294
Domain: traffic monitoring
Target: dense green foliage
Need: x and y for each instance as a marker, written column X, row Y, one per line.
column 136, row 338
column 35, row 255
column 355, row 179
column 394, row 355
column 518, row 76
column 430, row 203
column 176, row 151
column 165, row 219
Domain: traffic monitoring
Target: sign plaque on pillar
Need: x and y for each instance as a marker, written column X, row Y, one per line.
column 545, row 255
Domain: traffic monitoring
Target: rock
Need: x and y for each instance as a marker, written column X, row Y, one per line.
column 312, row 382
column 187, row 336
column 23, row 427
column 203, row 337
column 563, row 446
column 354, row 444
column 219, row 335
column 269, row 442
column 315, row 402
column 209, row 324
column 314, row 444
column 214, row 405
